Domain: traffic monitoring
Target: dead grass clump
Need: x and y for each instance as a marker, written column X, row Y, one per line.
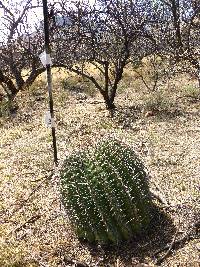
column 38, row 87
column 158, row 101
column 77, row 84
column 14, row 255
column 190, row 90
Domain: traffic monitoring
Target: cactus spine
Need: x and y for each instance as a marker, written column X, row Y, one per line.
column 105, row 191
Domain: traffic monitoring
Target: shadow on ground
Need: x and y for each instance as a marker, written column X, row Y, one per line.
column 140, row 249
column 127, row 116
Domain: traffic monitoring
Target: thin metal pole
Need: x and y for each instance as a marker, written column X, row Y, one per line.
column 49, row 78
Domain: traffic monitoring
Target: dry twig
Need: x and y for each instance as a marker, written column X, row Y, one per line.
column 159, row 197
column 23, row 202
column 33, row 219
column 186, row 237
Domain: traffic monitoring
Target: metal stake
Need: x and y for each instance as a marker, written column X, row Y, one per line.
column 49, row 78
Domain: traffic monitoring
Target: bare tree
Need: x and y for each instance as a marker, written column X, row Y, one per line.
column 102, row 35
column 21, row 42
column 177, row 32
column 106, row 35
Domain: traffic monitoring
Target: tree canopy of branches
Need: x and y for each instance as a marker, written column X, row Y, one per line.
column 104, row 35
column 19, row 47
column 177, row 33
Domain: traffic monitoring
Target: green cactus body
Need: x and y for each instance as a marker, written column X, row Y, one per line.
column 106, row 193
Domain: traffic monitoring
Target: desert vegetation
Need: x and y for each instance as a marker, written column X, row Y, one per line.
column 125, row 78
column 108, row 35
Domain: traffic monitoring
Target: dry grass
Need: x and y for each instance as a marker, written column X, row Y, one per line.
column 34, row 228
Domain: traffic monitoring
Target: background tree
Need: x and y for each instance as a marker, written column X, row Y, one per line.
column 107, row 35
column 21, row 43
column 177, row 33
column 103, row 35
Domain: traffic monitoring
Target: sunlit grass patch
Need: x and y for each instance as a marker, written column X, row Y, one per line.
column 191, row 91
column 157, row 101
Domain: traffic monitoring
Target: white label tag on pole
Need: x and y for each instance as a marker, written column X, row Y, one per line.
column 49, row 121
column 45, row 59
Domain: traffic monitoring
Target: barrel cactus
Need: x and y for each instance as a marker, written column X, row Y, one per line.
column 105, row 191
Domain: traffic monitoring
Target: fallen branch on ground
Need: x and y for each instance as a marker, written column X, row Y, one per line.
column 24, row 201
column 31, row 220
column 186, row 237
column 158, row 194
column 159, row 197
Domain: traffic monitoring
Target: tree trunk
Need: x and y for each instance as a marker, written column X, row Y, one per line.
column 109, row 102
column 196, row 65
column 8, row 86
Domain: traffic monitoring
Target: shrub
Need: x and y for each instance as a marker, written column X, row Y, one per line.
column 7, row 107
column 157, row 101
column 105, row 191
column 76, row 84
column 191, row 91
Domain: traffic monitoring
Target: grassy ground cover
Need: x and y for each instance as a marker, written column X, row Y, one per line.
column 163, row 127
